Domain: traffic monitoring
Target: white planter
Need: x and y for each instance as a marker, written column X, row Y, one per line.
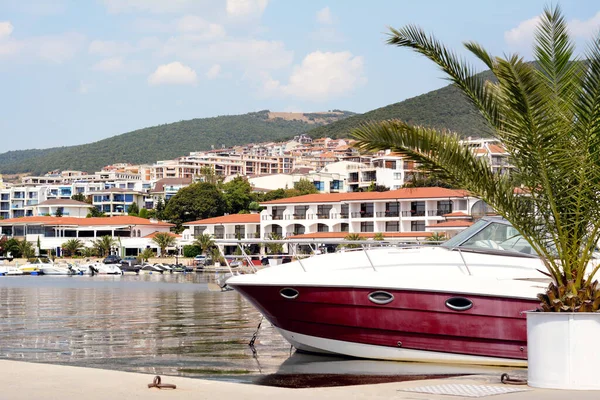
column 563, row 351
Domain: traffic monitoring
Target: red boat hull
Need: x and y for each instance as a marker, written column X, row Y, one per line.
column 415, row 320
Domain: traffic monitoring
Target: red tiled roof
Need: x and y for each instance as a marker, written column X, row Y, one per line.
column 457, row 214
column 341, row 235
column 494, row 148
column 153, row 234
column 98, row 221
column 452, row 224
column 228, row 219
column 65, row 202
column 408, row 193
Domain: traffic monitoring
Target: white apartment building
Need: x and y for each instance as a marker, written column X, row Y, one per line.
column 396, row 211
column 223, row 164
column 116, row 201
column 133, row 234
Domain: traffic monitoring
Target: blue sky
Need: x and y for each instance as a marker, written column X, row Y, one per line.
column 77, row 71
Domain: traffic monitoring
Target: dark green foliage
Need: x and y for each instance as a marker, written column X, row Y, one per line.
column 196, row 201
column 143, row 213
column 160, row 210
column 445, row 108
column 58, row 213
column 94, row 212
column 304, row 186
column 191, row 251
column 164, row 142
column 12, row 246
column 81, row 197
column 274, row 195
column 133, row 209
column 238, row 195
column 373, row 187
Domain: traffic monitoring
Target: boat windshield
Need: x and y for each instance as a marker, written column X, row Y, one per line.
column 486, row 235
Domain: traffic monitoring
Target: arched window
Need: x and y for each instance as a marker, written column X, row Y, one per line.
column 139, row 233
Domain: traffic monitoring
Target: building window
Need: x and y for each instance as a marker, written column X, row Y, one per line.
column 397, row 176
column 199, row 230
column 417, row 226
column 344, row 227
column 322, row 228
column 366, row 210
column 344, row 211
column 366, row 226
column 323, row 211
column 444, row 207
column 417, row 208
column 392, row 209
column 392, row 226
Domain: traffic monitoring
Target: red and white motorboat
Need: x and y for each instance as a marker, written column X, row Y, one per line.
column 462, row 301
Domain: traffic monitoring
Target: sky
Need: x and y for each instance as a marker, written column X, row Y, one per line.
column 78, row 71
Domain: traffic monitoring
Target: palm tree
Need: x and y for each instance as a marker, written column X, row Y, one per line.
column 274, row 248
column 352, row 237
column 104, row 244
column 146, row 254
column 204, row 242
column 26, row 249
column 72, row 246
column 548, row 118
column 163, row 240
column 437, row 237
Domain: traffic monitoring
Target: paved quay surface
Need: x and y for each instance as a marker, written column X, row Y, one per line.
column 23, row 380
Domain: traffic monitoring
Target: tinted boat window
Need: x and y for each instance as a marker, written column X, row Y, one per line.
column 497, row 236
column 464, row 235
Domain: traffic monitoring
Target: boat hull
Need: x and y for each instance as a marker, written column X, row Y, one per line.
column 415, row 325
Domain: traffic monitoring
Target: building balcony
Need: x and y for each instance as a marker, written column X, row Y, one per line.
column 218, row 235
column 384, row 214
column 413, row 213
column 438, row 213
column 323, row 216
column 362, row 214
column 255, row 235
column 235, row 235
column 299, row 216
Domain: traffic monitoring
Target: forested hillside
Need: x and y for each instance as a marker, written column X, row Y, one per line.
column 161, row 142
column 445, row 108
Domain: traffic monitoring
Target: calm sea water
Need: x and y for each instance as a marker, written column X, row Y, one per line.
column 160, row 324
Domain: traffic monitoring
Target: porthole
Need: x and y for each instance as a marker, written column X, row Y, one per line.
column 289, row 293
column 381, row 297
column 459, row 303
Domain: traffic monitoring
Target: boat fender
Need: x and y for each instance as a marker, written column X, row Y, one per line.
column 34, row 273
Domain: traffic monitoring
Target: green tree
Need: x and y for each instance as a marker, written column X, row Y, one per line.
column 133, row 209
column 379, row 236
column 164, row 240
column 437, row 237
column 12, row 247
column 352, row 237
column 104, row 244
column 26, row 249
column 160, row 209
column 373, row 187
column 274, row 248
column 304, row 186
column 191, row 251
column 548, row 119
column 238, row 195
column 204, row 242
column 95, row 212
column 143, row 213
column 208, row 175
column 196, row 201
column 81, row 197
column 145, row 255
column 72, row 246
column 274, row 195
column 59, row 212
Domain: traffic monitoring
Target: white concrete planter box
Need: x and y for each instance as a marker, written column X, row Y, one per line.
column 563, row 351
column 274, row 261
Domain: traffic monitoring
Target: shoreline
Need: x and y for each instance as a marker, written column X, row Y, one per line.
column 28, row 380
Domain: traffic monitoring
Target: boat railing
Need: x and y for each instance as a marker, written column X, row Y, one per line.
column 314, row 245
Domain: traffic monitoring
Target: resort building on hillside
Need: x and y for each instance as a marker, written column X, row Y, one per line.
column 132, row 233
column 233, row 226
column 62, row 207
column 117, row 201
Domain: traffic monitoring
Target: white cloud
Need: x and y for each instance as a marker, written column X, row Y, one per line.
column 193, row 24
column 213, row 72
column 109, row 47
column 151, row 6
column 585, row 29
column 322, row 76
column 174, row 73
column 112, row 64
column 6, row 29
column 249, row 54
column 245, row 8
column 324, row 16
column 522, row 37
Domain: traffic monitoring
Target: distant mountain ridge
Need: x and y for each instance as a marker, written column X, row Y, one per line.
column 168, row 141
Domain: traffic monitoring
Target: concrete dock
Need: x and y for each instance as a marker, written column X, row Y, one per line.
column 26, row 381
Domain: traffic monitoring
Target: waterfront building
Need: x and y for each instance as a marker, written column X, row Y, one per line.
column 116, row 201
column 133, row 234
column 61, row 207
column 409, row 211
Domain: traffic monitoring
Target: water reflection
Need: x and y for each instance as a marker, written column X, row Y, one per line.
column 163, row 324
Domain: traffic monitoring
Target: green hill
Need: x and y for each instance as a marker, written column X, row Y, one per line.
column 445, row 108
column 167, row 141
